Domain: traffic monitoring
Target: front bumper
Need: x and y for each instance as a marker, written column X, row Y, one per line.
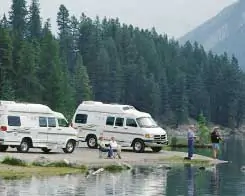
column 155, row 143
column 1, row 141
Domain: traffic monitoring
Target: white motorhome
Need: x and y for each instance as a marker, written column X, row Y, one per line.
column 24, row 126
column 132, row 128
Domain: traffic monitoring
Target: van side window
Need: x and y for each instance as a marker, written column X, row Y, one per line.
column 119, row 122
column 43, row 122
column 131, row 122
column 14, row 121
column 110, row 120
column 51, row 122
column 81, row 118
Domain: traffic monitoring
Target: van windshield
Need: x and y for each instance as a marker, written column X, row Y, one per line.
column 63, row 122
column 146, row 122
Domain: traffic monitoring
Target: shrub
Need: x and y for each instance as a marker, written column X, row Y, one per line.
column 13, row 161
column 203, row 131
column 174, row 141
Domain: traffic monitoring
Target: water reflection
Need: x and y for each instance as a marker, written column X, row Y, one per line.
column 215, row 181
column 190, row 180
column 140, row 181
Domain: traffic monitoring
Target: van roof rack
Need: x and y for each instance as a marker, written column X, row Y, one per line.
column 6, row 102
column 92, row 102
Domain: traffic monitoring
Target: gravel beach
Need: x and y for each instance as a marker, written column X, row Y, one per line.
column 90, row 157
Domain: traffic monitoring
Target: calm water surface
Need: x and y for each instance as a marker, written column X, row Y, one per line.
column 225, row 180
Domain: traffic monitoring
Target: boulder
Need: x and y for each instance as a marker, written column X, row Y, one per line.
column 41, row 161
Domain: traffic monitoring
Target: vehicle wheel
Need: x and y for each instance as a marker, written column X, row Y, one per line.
column 3, row 148
column 156, row 149
column 24, row 146
column 70, row 146
column 139, row 146
column 92, row 141
column 45, row 150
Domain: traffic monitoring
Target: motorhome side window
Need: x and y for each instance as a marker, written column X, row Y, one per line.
column 51, row 122
column 131, row 122
column 14, row 121
column 81, row 118
column 110, row 120
column 43, row 122
column 119, row 122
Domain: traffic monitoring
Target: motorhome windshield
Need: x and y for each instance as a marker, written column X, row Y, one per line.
column 146, row 122
column 63, row 122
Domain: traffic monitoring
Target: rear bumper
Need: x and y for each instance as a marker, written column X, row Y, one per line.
column 153, row 143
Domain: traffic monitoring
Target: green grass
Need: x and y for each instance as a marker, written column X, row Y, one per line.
column 181, row 160
column 114, row 168
column 16, row 172
column 13, row 161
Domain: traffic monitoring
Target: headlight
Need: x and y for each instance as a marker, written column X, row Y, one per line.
column 148, row 136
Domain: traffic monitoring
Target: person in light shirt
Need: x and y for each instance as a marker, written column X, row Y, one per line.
column 191, row 137
column 114, row 147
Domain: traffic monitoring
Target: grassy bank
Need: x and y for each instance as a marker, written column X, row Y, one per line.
column 13, row 168
column 180, row 160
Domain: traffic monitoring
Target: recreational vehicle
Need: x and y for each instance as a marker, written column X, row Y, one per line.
column 130, row 127
column 24, row 126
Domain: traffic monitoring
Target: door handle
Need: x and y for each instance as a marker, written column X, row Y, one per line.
column 115, row 127
column 26, row 128
column 59, row 129
column 125, row 127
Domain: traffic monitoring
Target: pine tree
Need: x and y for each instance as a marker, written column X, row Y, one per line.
column 6, row 68
column 17, row 17
column 65, row 37
column 83, row 90
column 34, row 20
column 4, row 23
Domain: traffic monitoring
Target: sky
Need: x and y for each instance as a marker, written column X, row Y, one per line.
column 174, row 17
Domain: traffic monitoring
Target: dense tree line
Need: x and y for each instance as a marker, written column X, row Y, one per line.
column 112, row 62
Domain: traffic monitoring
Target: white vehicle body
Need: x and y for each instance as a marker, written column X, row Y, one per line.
column 129, row 126
column 25, row 125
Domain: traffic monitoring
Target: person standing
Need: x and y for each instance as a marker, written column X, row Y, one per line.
column 190, row 138
column 215, row 139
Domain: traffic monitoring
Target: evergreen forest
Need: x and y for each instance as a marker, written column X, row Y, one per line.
column 104, row 60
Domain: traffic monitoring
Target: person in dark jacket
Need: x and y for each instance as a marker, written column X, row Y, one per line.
column 215, row 139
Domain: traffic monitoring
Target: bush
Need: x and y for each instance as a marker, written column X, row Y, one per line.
column 174, row 141
column 13, row 161
column 203, row 131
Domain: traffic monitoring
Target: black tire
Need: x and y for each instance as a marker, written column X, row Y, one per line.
column 92, row 141
column 139, row 146
column 45, row 150
column 24, row 146
column 156, row 149
column 70, row 146
column 3, row 148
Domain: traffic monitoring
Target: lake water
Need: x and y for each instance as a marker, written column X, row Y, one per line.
column 225, row 180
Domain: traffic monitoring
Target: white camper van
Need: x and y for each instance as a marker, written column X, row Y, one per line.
column 25, row 126
column 129, row 126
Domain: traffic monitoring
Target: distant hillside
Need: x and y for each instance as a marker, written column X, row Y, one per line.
column 223, row 33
